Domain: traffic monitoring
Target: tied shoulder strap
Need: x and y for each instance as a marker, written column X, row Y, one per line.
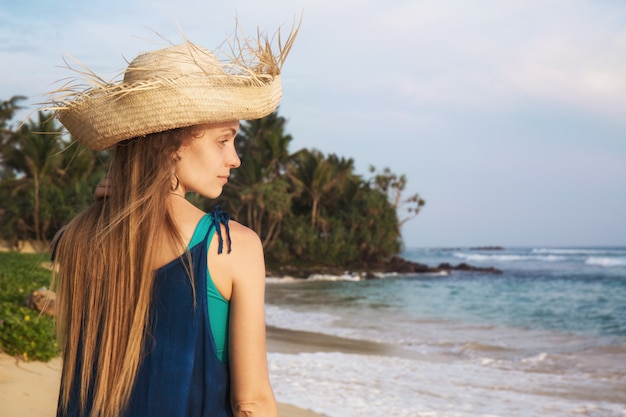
column 221, row 217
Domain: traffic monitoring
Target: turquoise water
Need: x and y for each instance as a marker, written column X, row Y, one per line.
column 581, row 290
column 550, row 330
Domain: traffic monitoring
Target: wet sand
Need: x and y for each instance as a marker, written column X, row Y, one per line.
column 296, row 341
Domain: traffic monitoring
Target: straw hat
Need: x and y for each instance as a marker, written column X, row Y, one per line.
column 182, row 85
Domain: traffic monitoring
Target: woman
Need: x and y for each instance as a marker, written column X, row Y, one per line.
column 160, row 304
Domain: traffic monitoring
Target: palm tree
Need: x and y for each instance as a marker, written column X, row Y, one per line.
column 7, row 111
column 35, row 157
column 393, row 187
column 318, row 177
column 267, row 141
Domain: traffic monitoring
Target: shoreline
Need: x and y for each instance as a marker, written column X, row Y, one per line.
column 280, row 340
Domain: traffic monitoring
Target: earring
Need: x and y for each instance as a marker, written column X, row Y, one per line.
column 175, row 186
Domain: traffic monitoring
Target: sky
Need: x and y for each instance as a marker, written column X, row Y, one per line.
column 507, row 116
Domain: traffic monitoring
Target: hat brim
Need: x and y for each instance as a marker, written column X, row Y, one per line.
column 102, row 120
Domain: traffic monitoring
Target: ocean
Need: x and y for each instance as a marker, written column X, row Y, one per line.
column 545, row 337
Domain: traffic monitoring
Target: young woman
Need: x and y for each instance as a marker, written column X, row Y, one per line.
column 160, row 309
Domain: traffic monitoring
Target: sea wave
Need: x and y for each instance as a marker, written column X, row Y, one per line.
column 329, row 323
column 315, row 277
column 605, row 261
column 350, row 385
column 479, row 257
column 354, row 277
column 298, row 320
column 580, row 251
column 282, row 280
column 330, row 277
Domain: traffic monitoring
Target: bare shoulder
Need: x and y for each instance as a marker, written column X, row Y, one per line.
column 243, row 237
column 244, row 262
column 245, row 246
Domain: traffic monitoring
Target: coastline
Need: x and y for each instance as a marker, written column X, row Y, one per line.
column 30, row 389
column 394, row 265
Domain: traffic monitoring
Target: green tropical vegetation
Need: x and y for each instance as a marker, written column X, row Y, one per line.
column 307, row 207
column 24, row 332
column 45, row 177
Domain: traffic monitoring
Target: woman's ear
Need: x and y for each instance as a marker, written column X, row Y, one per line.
column 103, row 189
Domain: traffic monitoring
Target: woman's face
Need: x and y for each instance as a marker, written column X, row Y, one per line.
column 203, row 164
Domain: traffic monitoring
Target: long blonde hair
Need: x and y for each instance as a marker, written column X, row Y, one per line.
column 106, row 260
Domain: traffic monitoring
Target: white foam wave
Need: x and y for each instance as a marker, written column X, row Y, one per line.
column 295, row 320
column 282, row 280
column 580, row 251
column 323, row 277
column 348, row 385
column 537, row 358
column 478, row 257
column 401, row 333
column 327, row 277
column 605, row 261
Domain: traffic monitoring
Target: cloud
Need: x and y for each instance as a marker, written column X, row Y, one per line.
column 486, row 54
column 574, row 69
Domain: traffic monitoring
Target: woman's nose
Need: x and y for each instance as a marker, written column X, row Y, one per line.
column 233, row 159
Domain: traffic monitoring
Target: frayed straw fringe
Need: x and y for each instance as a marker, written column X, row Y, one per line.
column 246, row 62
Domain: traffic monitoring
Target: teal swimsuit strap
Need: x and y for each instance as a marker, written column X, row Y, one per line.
column 216, row 217
column 218, row 306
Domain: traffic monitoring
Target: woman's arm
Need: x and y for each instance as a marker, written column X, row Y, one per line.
column 244, row 268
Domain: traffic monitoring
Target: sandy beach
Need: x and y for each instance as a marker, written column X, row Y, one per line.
column 30, row 389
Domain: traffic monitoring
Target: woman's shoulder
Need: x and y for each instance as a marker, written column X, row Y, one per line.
column 242, row 237
column 242, row 263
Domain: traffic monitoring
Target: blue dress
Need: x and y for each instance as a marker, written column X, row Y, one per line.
column 180, row 374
